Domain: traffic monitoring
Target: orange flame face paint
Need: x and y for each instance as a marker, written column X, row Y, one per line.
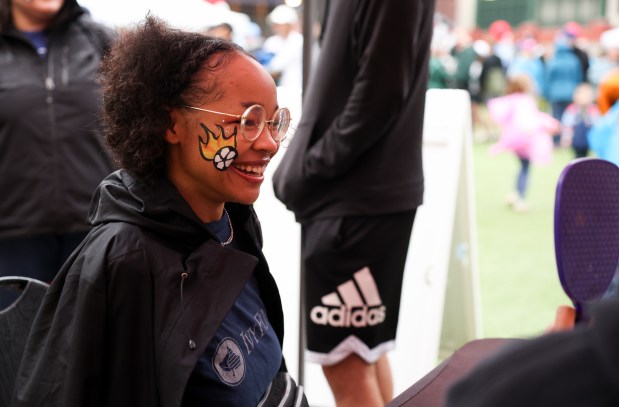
column 218, row 148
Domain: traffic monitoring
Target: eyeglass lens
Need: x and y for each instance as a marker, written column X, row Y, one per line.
column 280, row 123
column 254, row 119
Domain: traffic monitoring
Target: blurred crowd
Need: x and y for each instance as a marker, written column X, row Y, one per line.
column 280, row 52
column 531, row 93
column 273, row 37
column 569, row 68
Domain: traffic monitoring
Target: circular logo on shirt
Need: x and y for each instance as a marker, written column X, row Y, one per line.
column 229, row 362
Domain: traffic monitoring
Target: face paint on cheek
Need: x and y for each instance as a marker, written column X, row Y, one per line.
column 219, row 149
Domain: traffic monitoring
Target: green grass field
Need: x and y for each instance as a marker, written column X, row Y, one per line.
column 519, row 285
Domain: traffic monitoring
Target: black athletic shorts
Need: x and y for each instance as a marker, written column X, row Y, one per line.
column 353, row 269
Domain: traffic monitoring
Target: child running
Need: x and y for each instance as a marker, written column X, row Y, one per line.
column 525, row 131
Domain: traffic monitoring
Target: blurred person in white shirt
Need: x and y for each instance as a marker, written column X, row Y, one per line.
column 286, row 45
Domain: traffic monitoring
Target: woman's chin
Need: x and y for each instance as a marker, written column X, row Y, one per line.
column 248, row 199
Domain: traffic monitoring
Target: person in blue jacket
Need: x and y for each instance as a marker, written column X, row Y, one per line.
column 563, row 73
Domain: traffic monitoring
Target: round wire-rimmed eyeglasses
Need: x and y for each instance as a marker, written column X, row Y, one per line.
column 252, row 121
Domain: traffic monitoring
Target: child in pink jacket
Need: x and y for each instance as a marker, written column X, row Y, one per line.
column 525, row 131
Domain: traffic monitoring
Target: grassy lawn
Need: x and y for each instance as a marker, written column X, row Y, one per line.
column 519, row 285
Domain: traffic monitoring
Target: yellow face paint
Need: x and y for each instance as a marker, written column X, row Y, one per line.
column 219, row 149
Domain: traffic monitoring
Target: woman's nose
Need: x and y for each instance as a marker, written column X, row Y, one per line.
column 265, row 140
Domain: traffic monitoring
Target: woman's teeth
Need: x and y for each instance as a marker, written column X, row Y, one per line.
column 251, row 169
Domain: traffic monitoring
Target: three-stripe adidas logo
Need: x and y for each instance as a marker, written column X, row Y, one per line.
column 356, row 303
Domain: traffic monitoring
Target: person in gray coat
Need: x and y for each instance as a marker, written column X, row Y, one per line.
column 52, row 154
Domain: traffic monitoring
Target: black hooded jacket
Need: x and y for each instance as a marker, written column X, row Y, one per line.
column 52, row 155
column 115, row 326
column 357, row 148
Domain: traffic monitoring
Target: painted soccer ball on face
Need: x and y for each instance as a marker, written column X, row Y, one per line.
column 224, row 157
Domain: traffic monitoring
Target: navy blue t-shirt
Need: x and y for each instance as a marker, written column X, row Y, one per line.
column 39, row 40
column 244, row 355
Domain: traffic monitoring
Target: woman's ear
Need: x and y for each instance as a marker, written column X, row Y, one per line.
column 173, row 132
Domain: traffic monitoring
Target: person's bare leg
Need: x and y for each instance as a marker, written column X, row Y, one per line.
column 354, row 383
column 385, row 380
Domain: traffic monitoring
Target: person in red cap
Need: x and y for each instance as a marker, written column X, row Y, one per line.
column 498, row 28
column 502, row 38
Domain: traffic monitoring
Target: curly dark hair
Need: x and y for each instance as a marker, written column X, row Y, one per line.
column 150, row 70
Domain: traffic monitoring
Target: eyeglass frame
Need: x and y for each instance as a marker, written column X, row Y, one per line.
column 243, row 117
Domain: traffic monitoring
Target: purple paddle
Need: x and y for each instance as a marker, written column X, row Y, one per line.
column 586, row 227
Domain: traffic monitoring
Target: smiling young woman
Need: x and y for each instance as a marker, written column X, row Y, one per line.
column 201, row 141
column 169, row 300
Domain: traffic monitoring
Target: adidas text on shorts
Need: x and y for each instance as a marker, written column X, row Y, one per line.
column 353, row 270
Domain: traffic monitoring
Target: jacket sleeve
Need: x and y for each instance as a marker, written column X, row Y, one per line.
column 63, row 362
column 383, row 42
column 91, row 343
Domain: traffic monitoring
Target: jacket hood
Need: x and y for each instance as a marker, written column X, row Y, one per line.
column 158, row 208
column 70, row 11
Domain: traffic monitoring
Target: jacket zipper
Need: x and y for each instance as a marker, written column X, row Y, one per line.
column 50, row 87
column 192, row 344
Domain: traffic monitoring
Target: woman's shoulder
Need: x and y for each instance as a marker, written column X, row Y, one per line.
column 123, row 253
column 115, row 240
